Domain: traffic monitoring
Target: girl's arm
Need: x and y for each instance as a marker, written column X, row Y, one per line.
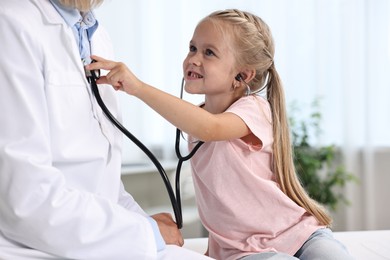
column 189, row 118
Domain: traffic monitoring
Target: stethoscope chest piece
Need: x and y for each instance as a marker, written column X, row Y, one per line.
column 91, row 73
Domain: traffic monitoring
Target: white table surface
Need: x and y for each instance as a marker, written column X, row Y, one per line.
column 367, row 245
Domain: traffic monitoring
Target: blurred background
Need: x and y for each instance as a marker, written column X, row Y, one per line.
column 336, row 52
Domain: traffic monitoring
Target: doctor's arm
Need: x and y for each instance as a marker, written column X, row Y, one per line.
column 164, row 227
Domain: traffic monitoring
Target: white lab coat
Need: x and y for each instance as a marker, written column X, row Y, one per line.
column 60, row 189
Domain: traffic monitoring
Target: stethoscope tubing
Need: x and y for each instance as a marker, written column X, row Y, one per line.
column 179, row 165
column 175, row 200
column 175, row 205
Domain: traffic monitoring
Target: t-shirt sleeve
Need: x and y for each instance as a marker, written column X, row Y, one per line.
column 256, row 113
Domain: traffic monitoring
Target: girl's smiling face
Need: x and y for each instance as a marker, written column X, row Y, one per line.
column 209, row 67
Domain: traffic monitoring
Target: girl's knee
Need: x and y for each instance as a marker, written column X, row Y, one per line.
column 322, row 245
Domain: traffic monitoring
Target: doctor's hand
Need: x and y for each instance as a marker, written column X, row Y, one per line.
column 168, row 229
column 119, row 75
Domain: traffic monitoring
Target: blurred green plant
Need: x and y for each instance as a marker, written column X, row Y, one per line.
column 320, row 168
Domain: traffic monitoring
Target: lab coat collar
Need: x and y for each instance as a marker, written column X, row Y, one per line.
column 70, row 15
column 51, row 16
column 49, row 13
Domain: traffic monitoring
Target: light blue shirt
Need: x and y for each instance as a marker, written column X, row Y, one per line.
column 83, row 28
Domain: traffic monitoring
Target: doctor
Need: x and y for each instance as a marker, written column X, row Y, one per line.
column 61, row 195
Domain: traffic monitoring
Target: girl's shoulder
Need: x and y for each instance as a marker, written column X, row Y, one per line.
column 252, row 104
column 251, row 100
column 255, row 111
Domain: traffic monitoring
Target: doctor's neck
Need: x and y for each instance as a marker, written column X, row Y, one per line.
column 81, row 5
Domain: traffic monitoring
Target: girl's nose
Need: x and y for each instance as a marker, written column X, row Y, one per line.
column 194, row 60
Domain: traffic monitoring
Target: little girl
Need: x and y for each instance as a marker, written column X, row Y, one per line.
column 247, row 191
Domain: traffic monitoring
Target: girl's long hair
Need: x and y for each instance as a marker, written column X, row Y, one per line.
column 254, row 48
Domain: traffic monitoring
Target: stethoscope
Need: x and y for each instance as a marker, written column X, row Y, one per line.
column 180, row 162
column 174, row 197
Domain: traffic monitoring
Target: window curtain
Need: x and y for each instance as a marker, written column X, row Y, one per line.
column 335, row 50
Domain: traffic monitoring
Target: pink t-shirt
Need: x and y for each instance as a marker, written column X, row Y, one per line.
column 239, row 202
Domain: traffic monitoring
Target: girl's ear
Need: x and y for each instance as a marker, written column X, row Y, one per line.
column 248, row 75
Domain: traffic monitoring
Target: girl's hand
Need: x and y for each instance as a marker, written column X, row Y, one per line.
column 119, row 76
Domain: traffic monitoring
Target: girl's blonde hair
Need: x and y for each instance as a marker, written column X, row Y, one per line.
column 82, row 5
column 254, row 48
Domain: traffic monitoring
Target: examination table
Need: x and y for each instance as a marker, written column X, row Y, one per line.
column 367, row 245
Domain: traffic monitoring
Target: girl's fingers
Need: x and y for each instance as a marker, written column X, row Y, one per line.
column 115, row 78
column 100, row 63
column 97, row 58
column 104, row 80
column 118, row 75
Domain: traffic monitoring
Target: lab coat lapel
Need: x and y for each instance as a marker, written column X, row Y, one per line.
column 52, row 17
column 49, row 13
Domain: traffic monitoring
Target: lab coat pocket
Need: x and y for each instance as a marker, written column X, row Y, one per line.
column 69, row 99
column 65, row 78
column 73, row 115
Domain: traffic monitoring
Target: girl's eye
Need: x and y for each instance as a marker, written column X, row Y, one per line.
column 209, row 52
column 192, row 48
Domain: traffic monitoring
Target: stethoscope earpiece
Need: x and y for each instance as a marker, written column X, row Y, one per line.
column 248, row 90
